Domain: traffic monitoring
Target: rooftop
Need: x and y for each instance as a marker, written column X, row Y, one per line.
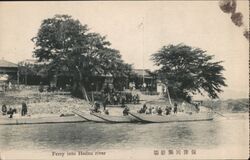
column 141, row 72
column 32, row 61
column 7, row 64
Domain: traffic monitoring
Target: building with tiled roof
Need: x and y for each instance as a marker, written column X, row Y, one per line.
column 7, row 64
column 8, row 69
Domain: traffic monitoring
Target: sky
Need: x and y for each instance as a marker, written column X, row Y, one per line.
column 139, row 29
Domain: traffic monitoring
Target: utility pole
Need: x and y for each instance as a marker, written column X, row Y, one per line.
column 143, row 43
column 26, row 75
column 18, row 78
column 141, row 25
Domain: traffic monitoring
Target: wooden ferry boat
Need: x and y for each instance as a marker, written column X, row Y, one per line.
column 180, row 117
column 88, row 116
column 116, row 119
column 4, row 120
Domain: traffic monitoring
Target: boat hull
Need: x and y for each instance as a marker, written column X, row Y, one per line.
column 40, row 120
column 88, row 117
column 116, row 119
column 181, row 117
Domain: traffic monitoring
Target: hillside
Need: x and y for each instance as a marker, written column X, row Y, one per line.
column 230, row 105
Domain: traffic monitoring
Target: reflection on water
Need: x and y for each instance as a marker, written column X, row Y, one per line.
column 205, row 135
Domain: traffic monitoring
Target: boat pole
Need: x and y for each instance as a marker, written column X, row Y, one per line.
column 216, row 112
column 220, row 114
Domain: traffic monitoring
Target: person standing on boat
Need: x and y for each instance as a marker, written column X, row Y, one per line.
column 143, row 109
column 159, row 111
column 106, row 101
column 152, row 110
column 170, row 109
column 175, row 108
column 167, row 109
column 155, row 110
column 24, row 109
column 149, row 110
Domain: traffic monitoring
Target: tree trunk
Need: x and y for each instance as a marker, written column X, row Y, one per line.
column 79, row 86
column 83, row 90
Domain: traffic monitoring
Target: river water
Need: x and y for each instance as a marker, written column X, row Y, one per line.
column 204, row 135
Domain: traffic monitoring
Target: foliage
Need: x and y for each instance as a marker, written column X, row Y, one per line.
column 72, row 48
column 29, row 69
column 188, row 71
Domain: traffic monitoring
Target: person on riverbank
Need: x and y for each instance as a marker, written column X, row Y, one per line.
column 96, row 108
column 137, row 99
column 4, row 109
column 125, row 111
column 106, row 111
column 123, row 103
column 105, row 102
column 115, row 99
column 175, row 108
column 197, row 108
column 24, row 109
column 11, row 111
column 134, row 99
column 107, row 89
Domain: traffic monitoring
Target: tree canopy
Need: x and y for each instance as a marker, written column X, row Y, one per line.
column 69, row 46
column 187, row 71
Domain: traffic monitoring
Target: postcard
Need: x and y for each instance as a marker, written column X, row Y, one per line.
column 111, row 80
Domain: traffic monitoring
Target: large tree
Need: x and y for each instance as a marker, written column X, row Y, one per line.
column 188, row 71
column 69, row 46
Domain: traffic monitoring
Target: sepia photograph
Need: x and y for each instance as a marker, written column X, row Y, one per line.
column 124, row 80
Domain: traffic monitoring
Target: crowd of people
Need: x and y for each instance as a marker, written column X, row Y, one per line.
column 158, row 110
column 11, row 111
column 97, row 109
column 116, row 98
column 144, row 110
column 112, row 97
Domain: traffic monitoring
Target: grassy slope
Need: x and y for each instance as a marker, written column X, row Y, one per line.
column 49, row 103
column 42, row 103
